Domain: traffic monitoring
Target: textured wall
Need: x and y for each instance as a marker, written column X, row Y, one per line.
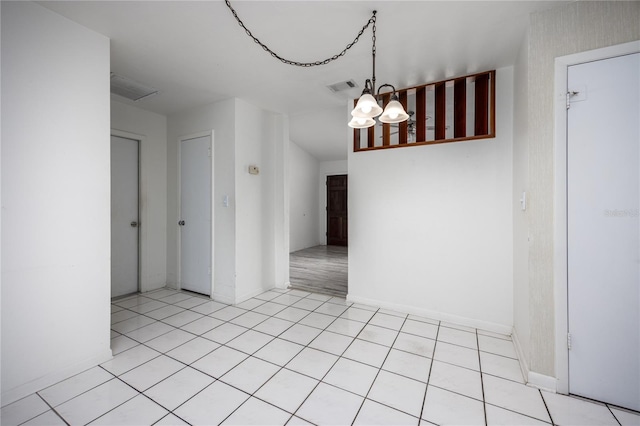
column 573, row 28
column 521, row 183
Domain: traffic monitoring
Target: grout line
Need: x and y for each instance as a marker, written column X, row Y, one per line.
column 614, row 416
column 380, row 368
column 546, row 407
column 484, row 402
column 424, row 398
column 333, row 365
column 122, row 403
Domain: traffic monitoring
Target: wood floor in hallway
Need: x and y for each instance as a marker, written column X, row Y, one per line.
column 320, row 269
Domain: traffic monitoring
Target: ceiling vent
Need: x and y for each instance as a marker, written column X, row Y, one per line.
column 127, row 88
column 342, row 86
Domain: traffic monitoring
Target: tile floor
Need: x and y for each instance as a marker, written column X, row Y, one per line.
column 297, row 358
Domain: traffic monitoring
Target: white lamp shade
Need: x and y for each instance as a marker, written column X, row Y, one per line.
column 361, row 122
column 393, row 113
column 367, row 107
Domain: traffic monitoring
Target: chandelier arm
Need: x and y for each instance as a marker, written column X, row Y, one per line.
column 371, row 20
column 388, row 85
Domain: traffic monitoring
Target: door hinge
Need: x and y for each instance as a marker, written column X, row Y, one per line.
column 569, row 341
column 208, row 152
column 569, row 96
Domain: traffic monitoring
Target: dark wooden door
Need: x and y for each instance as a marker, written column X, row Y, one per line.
column 337, row 210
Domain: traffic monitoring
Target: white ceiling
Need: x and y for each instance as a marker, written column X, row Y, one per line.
column 195, row 53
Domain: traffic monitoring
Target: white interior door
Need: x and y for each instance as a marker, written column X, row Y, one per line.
column 195, row 214
column 124, row 216
column 603, row 194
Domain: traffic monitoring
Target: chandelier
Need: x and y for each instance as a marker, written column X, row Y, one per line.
column 367, row 107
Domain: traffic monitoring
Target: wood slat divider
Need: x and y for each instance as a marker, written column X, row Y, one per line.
column 460, row 108
column 421, row 114
column 482, row 105
column 441, row 111
column 403, row 127
column 371, row 137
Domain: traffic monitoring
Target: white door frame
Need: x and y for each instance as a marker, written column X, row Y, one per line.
column 179, row 239
column 142, row 210
column 560, row 275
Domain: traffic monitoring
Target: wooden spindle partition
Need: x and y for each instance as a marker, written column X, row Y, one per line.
column 482, row 105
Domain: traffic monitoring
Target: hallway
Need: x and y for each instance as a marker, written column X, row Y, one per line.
column 320, row 269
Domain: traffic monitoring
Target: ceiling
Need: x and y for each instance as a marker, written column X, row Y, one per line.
column 195, row 52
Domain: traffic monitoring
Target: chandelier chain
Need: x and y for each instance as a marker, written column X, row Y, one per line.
column 266, row 48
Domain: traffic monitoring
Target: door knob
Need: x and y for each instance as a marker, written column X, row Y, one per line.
column 134, row 224
column 181, row 223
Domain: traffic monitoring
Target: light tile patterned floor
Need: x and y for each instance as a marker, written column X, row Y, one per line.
column 296, row 358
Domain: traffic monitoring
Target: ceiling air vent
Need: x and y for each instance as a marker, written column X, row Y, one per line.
column 127, row 88
column 342, row 86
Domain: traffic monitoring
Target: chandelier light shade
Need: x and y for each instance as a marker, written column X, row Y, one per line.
column 367, row 107
column 394, row 113
column 361, row 122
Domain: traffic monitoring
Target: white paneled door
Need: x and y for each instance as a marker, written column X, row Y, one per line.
column 603, row 193
column 124, row 216
column 195, row 214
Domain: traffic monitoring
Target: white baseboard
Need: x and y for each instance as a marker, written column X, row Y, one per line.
column 533, row 379
column 249, row 295
column 524, row 365
column 540, row 381
column 284, row 286
column 427, row 313
column 26, row 389
column 223, row 298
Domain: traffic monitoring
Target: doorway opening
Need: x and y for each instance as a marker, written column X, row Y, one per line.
column 323, row 269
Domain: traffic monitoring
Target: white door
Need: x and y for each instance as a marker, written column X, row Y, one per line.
column 603, row 194
column 124, row 216
column 195, row 214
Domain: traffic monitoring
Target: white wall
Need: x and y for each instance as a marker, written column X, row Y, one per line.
column 304, row 208
column 55, row 199
column 521, row 323
column 572, row 28
column 220, row 118
column 430, row 227
column 151, row 129
column 250, row 235
column 327, row 168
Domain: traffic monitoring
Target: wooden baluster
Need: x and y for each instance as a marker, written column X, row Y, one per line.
column 482, row 105
column 460, row 108
column 421, row 114
column 403, row 128
column 371, row 137
column 441, row 111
